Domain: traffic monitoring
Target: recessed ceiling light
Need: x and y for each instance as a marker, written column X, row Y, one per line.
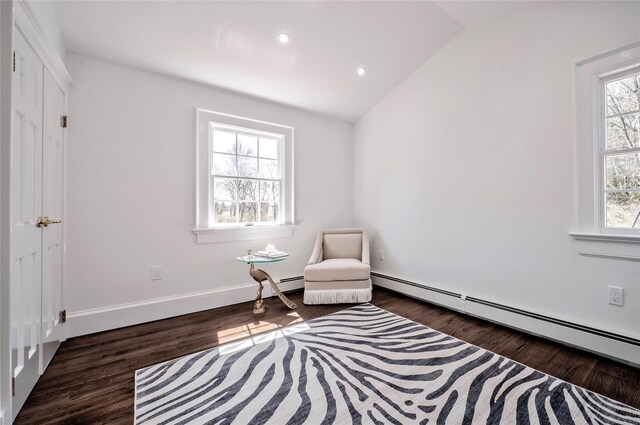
column 284, row 38
column 361, row 71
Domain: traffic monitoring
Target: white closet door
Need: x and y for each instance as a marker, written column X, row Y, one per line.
column 52, row 195
column 26, row 206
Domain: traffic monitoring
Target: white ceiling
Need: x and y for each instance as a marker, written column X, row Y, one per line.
column 234, row 44
column 474, row 12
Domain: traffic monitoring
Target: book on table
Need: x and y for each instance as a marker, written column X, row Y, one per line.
column 271, row 254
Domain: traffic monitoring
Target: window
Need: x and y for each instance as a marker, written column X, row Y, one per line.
column 607, row 151
column 244, row 178
column 620, row 151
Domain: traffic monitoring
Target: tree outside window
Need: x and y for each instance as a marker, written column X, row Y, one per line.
column 246, row 177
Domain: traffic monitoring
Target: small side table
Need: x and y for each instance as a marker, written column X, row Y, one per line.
column 260, row 276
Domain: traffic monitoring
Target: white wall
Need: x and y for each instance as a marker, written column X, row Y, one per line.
column 464, row 172
column 131, row 189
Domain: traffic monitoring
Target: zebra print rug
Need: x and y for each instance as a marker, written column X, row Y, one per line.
column 361, row 365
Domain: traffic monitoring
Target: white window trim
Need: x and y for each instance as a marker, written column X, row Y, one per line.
column 589, row 77
column 205, row 231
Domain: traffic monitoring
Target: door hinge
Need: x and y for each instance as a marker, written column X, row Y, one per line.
column 63, row 316
column 14, row 61
column 63, row 121
column 13, row 387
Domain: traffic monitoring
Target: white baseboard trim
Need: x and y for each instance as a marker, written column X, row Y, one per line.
column 117, row 316
column 625, row 352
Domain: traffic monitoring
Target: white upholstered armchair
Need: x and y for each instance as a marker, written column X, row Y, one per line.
column 338, row 270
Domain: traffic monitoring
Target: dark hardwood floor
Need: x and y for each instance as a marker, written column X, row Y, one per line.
column 90, row 379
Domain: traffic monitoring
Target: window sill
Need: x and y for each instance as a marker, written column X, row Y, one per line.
column 624, row 247
column 606, row 237
column 248, row 233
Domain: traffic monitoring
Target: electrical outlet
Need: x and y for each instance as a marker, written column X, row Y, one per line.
column 380, row 255
column 156, row 272
column 616, row 295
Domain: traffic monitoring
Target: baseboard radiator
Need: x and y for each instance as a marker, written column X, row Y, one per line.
column 623, row 348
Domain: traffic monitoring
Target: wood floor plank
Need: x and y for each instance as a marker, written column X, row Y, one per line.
column 614, row 380
column 91, row 378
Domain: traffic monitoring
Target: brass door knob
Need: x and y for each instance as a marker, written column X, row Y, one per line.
column 45, row 221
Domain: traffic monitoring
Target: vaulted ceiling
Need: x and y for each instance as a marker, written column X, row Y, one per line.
column 235, row 44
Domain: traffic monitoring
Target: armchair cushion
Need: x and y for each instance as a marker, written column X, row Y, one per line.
column 337, row 269
column 347, row 245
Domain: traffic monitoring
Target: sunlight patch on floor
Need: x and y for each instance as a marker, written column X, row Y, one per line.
column 262, row 331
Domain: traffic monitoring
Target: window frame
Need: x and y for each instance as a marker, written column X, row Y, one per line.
column 206, row 230
column 600, row 132
column 589, row 146
column 213, row 126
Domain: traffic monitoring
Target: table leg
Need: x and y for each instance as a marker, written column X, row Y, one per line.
column 260, row 276
column 260, row 306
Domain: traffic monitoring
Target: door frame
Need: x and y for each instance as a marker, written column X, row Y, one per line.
column 6, row 59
